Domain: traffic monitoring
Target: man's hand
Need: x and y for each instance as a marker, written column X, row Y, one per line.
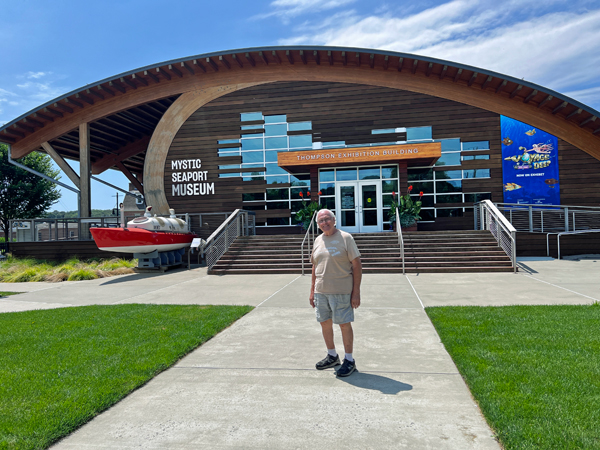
column 355, row 299
column 311, row 299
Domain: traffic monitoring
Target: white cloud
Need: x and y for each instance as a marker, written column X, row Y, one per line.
column 37, row 75
column 555, row 48
column 286, row 9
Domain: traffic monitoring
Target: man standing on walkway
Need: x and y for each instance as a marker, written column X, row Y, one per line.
column 335, row 289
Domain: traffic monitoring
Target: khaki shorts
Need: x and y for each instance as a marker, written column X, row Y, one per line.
column 334, row 306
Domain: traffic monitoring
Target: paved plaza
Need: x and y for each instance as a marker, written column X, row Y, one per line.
column 254, row 385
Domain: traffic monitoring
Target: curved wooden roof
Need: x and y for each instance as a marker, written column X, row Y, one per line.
column 124, row 110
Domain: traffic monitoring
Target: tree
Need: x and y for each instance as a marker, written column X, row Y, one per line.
column 24, row 195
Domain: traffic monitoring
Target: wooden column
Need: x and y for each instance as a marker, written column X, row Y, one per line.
column 402, row 178
column 85, row 207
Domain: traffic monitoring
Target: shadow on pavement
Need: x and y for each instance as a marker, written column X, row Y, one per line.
column 376, row 383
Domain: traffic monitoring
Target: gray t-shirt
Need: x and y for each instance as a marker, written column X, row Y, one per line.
column 332, row 257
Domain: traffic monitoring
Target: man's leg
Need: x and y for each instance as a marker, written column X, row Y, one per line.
column 347, row 336
column 327, row 329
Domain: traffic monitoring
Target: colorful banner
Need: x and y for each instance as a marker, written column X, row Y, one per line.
column 529, row 164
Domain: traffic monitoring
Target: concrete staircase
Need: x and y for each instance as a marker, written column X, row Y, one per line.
column 432, row 251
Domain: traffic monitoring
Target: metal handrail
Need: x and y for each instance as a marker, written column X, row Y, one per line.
column 310, row 235
column 558, row 235
column 400, row 240
column 490, row 218
column 237, row 224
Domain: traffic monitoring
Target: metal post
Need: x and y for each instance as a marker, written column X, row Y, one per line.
column 530, row 219
column 542, row 219
column 566, row 221
column 574, row 227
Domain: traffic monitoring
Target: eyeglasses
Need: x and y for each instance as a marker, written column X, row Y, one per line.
column 325, row 219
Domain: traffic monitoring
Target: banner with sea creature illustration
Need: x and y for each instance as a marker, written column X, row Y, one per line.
column 529, row 164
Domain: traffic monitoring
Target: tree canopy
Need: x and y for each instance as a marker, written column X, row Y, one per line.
column 24, row 195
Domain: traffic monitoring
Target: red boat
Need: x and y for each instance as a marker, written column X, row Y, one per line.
column 145, row 235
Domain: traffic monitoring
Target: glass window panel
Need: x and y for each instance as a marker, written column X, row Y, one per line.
column 326, row 175
column 296, row 193
column 334, row 144
column 384, row 131
column 251, row 127
column 420, row 174
column 278, row 221
column 477, row 197
column 348, row 218
column 252, row 144
column 277, row 179
column 251, row 207
column 448, row 174
column 228, row 175
column 450, row 145
column 304, row 141
column 453, row 198
column 230, row 166
column 371, row 173
column 327, row 202
column 476, row 173
column 276, row 118
column 296, row 205
column 386, row 200
column 254, row 177
column 369, row 196
column 479, row 145
column 271, row 156
column 448, row 186
column 418, row 133
column 298, row 126
column 449, row 159
column 253, row 135
column 389, row 186
column 247, row 117
column 455, row 212
column 229, row 151
column 347, row 196
column 300, row 179
column 327, row 188
column 277, row 142
column 426, row 200
column 252, row 157
column 389, row 172
column 472, row 157
column 276, row 130
column 345, row 174
column 370, row 217
column 278, row 194
column 274, row 169
column 482, row 156
column 278, row 205
column 254, row 196
column 425, row 187
column 427, row 214
column 229, row 141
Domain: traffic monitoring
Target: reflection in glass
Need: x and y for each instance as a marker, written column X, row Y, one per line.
column 304, row 141
column 370, row 218
column 456, row 212
column 389, row 172
column 247, row 117
column 425, row 187
column 300, row 179
column 450, row 145
column 278, row 205
column 278, row 194
column 275, row 130
column 254, row 196
column 276, row 119
column 277, row 142
column 277, row 179
column 371, row 173
column 420, row 174
column 252, row 144
column 327, row 202
column 300, row 126
column 389, row 186
column 426, row 200
column 274, row 169
column 347, row 197
column 453, row 198
column 481, row 145
column 326, row 175
column 448, row 174
column 369, row 196
column 345, row 174
column 448, row 186
column 327, row 188
column 348, row 218
column 252, row 157
column 427, row 214
column 449, row 159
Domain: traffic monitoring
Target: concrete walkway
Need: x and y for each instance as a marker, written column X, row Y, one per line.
column 254, row 385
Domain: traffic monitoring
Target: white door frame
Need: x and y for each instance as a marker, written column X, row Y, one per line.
column 358, row 206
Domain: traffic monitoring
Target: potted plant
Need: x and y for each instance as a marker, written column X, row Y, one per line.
column 304, row 216
column 408, row 210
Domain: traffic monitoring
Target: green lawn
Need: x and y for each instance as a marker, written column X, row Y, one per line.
column 7, row 293
column 535, row 370
column 59, row 368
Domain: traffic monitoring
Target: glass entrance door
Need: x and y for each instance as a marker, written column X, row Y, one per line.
column 359, row 206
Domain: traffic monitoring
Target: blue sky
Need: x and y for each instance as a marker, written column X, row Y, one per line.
column 50, row 48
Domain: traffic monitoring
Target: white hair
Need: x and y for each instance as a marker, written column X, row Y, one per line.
column 328, row 211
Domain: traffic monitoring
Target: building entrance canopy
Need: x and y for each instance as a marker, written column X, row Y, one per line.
column 411, row 154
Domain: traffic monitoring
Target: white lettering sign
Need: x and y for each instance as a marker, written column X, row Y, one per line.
column 184, row 187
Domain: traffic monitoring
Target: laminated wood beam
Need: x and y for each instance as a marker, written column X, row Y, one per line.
column 472, row 79
column 60, row 162
column 501, row 86
column 164, row 73
column 429, row 69
column 458, row 74
column 141, row 80
column 33, row 122
column 415, row 65
column 303, row 57
column 386, row 62
column 95, row 93
column 263, row 57
column 250, row 59
column 44, row 117
column 559, row 107
column 73, row 102
column 53, row 111
column 185, row 66
column 546, row 100
column 400, row 62
column 575, row 113
column 276, row 56
column 117, row 86
column 150, row 75
column 344, row 58
column 443, row 73
column 239, row 61
column 7, row 138
column 175, row 70
column 487, row 82
column 212, row 64
column 129, row 82
column 85, row 208
column 289, row 57
column 85, row 98
column 357, row 59
column 330, row 57
column 126, row 152
column 22, row 126
column 588, row 120
column 199, row 65
column 107, row 90
column 530, row 96
column 317, row 57
column 516, row 91
column 13, row 130
column 130, row 177
column 223, row 61
column 372, row 60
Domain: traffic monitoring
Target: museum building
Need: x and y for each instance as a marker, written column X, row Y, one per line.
column 268, row 129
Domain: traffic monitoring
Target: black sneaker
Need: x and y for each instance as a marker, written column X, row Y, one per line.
column 347, row 368
column 328, row 362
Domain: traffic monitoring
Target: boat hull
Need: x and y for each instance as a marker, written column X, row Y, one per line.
column 137, row 240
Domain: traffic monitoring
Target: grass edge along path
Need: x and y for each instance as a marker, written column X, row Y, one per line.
column 60, row 368
column 534, row 370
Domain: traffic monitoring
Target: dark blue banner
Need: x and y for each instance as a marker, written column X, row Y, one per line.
column 529, row 164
